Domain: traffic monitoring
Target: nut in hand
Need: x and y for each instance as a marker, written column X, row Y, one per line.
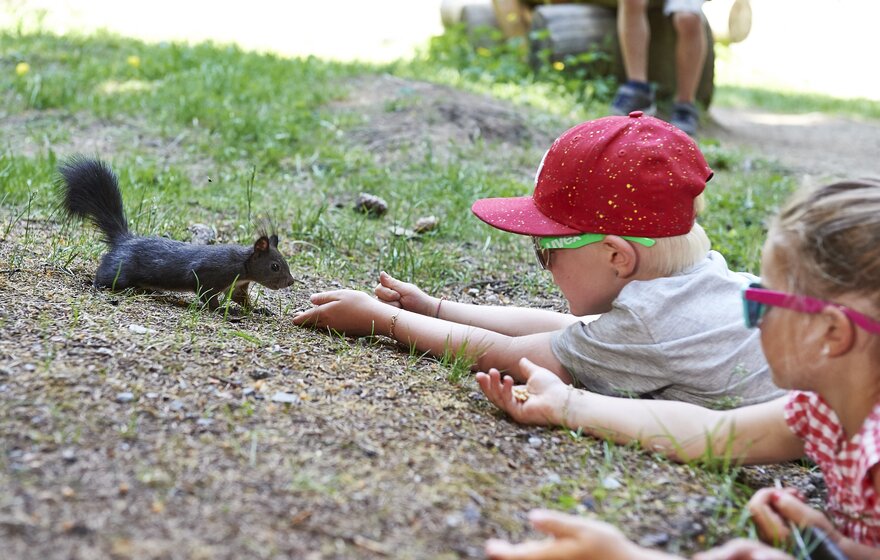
column 520, row 393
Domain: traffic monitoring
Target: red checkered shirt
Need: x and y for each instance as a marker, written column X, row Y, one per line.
column 853, row 504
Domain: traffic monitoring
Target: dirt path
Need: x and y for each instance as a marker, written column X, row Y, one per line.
column 813, row 144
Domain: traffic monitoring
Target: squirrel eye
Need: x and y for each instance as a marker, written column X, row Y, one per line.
column 275, row 267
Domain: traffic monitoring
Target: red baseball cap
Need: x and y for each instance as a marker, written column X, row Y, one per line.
column 635, row 175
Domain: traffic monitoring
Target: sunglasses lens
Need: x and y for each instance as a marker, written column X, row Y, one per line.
column 753, row 313
column 543, row 255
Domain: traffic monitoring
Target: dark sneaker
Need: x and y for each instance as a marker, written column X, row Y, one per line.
column 629, row 99
column 686, row 116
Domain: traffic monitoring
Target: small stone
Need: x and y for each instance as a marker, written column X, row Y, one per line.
column 258, row 374
column 611, row 483
column 29, row 367
column 653, row 540
column 152, row 395
column 201, row 234
column 535, row 441
column 287, row 398
column 402, row 232
column 69, row 455
column 553, row 478
column 124, row 397
column 426, row 224
column 370, row 204
column 176, row 405
column 247, row 391
column 139, row 329
column 205, row 421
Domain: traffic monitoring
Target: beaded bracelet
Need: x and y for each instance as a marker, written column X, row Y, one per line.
column 439, row 303
column 391, row 328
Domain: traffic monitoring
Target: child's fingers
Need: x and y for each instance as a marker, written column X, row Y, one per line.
column 387, row 280
column 307, row 318
column 559, row 524
column 791, row 508
column 387, row 295
column 742, row 549
column 490, row 385
column 530, row 550
column 324, row 297
column 771, row 526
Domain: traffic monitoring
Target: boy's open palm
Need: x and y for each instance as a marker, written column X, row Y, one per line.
column 348, row 311
column 407, row 296
column 547, row 394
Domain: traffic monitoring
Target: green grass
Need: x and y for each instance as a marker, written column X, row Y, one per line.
column 795, row 102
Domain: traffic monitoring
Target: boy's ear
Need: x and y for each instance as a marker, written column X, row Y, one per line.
column 622, row 256
column 262, row 244
column 839, row 335
column 273, row 240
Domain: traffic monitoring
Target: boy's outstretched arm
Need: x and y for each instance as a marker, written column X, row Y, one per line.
column 509, row 320
column 357, row 314
column 681, row 431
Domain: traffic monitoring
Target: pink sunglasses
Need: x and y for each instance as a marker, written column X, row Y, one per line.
column 756, row 300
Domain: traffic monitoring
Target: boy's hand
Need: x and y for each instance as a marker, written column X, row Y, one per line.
column 407, row 296
column 348, row 311
column 547, row 394
column 773, row 508
column 574, row 538
column 743, row 549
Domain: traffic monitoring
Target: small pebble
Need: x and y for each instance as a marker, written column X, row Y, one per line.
column 370, row 204
column 611, row 483
column 288, row 398
column 124, row 397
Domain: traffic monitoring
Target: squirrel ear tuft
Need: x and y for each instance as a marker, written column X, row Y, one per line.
column 273, row 240
column 262, row 244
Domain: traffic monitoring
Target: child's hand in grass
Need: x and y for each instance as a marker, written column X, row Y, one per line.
column 545, row 395
column 574, row 538
column 773, row 508
column 407, row 296
column 347, row 311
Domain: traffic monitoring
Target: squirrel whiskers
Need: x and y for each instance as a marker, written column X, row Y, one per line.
column 89, row 189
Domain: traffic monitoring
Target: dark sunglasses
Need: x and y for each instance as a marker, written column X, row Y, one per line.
column 544, row 245
column 542, row 254
column 756, row 300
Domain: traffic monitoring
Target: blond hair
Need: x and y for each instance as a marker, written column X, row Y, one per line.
column 828, row 241
column 673, row 255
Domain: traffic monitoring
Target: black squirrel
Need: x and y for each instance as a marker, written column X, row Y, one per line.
column 90, row 189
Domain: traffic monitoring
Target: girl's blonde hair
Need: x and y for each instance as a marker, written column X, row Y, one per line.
column 828, row 241
column 673, row 255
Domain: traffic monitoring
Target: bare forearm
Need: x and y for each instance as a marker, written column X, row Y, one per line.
column 483, row 347
column 681, row 431
column 509, row 320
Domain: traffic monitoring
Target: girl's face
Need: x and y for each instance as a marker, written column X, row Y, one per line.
column 790, row 340
column 585, row 278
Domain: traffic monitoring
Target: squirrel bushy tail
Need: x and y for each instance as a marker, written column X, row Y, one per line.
column 90, row 190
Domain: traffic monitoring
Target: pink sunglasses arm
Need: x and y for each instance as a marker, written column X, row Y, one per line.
column 807, row 304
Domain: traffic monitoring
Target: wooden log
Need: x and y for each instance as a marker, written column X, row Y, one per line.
column 730, row 20
column 513, row 16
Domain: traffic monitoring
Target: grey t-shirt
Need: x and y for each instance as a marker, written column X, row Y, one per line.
column 677, row 338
